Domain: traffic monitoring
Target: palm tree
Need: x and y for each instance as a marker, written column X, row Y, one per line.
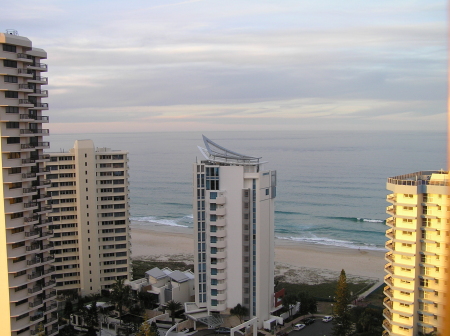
column 239, row 311
column 173, row 307
column 289, row 301
column 120, row 296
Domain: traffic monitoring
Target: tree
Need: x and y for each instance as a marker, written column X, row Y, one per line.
column 148, row 300
column 341, row 321
column 68, row 309
column 173, row 307
column 90, row 318
column 154, row 329
column 289, row 302
column 120, row 296
column 239, row 311
column 148, row 329
column 40, row 330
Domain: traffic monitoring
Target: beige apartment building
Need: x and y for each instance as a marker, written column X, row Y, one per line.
column 419, row 224
column 26, row 287
column 90, row 217
column 233, row 199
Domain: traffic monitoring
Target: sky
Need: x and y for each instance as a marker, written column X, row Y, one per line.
column 211, row 65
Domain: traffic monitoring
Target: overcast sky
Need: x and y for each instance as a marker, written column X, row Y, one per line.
column 168, row 65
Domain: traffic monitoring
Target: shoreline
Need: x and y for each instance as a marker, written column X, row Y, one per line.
column 297, row 261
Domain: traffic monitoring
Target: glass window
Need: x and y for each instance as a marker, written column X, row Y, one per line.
column 212, row 195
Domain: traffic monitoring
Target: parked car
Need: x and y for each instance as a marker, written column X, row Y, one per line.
column 222, row 330
column 308, row 320
column 327, row 318
column 299, row 326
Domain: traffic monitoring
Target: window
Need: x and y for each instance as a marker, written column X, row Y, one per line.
column 17, row 245
column 10, row 79
column 10, row 48
column 12, row 109
column 9, row 64
column 11, row 94
column 405, row 293
column 13, row 140
column 212, row 218
column 13, row 155
column 267, row 191
column 213, row 206
column 213, row 282
column 212, row 195
column 213, row 271
column 213, row 250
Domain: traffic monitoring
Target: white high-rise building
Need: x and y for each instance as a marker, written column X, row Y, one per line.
column 90, row 217
column 26, row 288
column 234, row 232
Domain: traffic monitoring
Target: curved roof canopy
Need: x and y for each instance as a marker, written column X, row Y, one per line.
column 216, row 153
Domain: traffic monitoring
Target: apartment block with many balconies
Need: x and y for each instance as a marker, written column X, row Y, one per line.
column 418, row 224
column 234, row 232
column 26, row 287
column 90, row 217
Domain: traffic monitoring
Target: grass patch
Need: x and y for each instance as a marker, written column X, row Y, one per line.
column 142, row 266
column 322, row 292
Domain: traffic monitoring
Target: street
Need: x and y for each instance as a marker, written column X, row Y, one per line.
column 318, row 328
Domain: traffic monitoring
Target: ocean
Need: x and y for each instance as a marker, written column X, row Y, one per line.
column 331, row 184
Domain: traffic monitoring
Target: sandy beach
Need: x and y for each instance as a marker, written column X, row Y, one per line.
column 298, row 262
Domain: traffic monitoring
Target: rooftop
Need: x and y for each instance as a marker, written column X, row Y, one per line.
column 218, row 154
column 427, row 177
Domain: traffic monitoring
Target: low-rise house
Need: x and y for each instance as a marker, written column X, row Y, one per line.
column 166, row 285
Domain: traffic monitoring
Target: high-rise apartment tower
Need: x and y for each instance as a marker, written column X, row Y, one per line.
column 234, row 232
column 26, row 288
column 415, row 272
column 90, row 217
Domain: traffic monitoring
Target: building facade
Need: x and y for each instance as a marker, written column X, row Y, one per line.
column 234, row 232
column 90, row 217
column 26, row 286
column 418, row 224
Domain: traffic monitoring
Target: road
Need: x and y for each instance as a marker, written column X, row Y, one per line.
column 318, row 328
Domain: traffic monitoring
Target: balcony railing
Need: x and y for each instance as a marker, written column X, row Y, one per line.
column 28, row 175
column 34, row 261
column 30, row 219
column 388, row 291
column 39, row 91
column 32, row 248
column 49, row 283
column 34, row 131
column 387, row 301
column 53, row 305
column 21, row 55
column 43, row 183
column 38, row 65
column 36, row 317
column 47, row 233
column 29, row 190
column 45, row 208
column 50, row 295
column 35, row 303
column 389, row 281
column 34, row 275
column 34, row 289
column 387, row 325
column 25, row 71
column 31, row 233
column 45, row 247
column 43, row 105
column 25, row 161
column 389, row 269
column 390, row 257
column 25, row 86
column 51, row 319
column 49, row 258
column 25, row 101
column 40, row 78
column 48, row 271
column 29, row 205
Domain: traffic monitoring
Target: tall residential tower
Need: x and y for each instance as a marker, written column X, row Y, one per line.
column 234, row 232
column 415, row 257
column 90, row 217
column 26, row 287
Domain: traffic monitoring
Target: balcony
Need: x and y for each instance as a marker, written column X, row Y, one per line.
column 48, row 271
column 390, row 257
column 389, row 268
column 390, row 234
column 32, row 247
column 48, row 246
column 389, row 281
column 387, row 302
column 53, row 305
column 39, row 80
column 391, row 210
column 388, row 291
column 28, row 161
column 24, row 56
column 29, row 190
column 29, row 175
column 47, row 233
column 35, row 132
column 38, row 66
column 34, row 275
column 32, row 233
column 25, row 72
column 387, row 314
column 42, row 158
column 390, row 245
column 25, row 88
column 29, row 205
column 34, row 289
column 49, row 283
column 44, row 183
column 390, row 222
column 30, row 220
column 35, row 303
column 50, row 295
column 32, row 117
column 51, row 319
column 387, row 325
column 44, row 209
column 39, row 93
column 36, row 317
column 25, row 102
column 391, row 198
column 34, row 261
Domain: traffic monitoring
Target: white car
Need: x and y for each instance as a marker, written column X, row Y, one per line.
column 327, row 318
column 299, row 326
